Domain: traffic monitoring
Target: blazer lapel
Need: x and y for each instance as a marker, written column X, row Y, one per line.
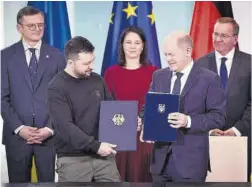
column 42, row 64
column 168, row 83
column 234, row 67
column 212, row 63
column 191, row 80
column 20, row 58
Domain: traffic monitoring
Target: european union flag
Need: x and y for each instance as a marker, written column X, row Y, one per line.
column 57, row 29
column 131, row 13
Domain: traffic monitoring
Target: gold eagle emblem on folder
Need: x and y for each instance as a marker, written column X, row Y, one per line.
column 118, row 119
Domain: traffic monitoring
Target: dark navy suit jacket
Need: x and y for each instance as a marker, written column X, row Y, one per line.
column 203, row 100
column 238, row 90
column 20, row 103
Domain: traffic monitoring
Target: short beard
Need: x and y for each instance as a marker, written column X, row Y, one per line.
column 84, row 75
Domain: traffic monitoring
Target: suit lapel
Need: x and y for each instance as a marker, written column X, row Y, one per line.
column 42, row 64
column 191, row 80
column 168, row 88
column 234, row 67
column 212, row 63
column 213, row 67
column 20, row 58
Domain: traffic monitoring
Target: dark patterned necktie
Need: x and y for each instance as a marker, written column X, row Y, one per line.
column 177, row 84
column 33, row 66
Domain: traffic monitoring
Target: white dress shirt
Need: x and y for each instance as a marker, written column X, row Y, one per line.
column 28, row 53
column 186, row 71
column 228, row 63
column 28, row 56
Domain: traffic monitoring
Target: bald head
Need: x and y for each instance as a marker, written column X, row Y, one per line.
column 179, row 38
column 178, row 50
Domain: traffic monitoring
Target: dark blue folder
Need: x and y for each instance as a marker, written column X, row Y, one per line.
column 157, row 108
column 118, row 124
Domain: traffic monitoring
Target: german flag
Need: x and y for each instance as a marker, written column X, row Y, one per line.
column 204, row 17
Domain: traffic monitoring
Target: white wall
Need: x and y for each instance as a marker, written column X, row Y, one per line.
column 242, row 14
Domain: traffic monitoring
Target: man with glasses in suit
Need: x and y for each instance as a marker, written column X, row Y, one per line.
column 234, row 68
column 26, row 69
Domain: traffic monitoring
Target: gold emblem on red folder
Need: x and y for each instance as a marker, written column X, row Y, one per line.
column 118, row 119
column 161, row 108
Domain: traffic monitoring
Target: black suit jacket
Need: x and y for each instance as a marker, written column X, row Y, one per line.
column 238, row 90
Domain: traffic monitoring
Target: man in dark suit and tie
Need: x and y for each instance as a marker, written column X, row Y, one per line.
column 202, row 106
column 26, row 69
column 234, row 69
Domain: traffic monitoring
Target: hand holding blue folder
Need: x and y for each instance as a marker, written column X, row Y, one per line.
column 157, row 108
column 118, row 124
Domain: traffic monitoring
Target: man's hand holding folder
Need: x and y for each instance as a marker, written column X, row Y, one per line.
column 162, row 118
column 106, row 149
column 177, row 120
column 141, row 137
column 139, row 124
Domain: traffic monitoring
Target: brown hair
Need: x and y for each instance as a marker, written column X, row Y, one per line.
column 27, row 11
column 121, row 54
column 231, row 21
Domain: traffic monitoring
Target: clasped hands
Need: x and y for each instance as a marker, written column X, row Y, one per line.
column 218, row 132
column 176, row 120
column 34, row 135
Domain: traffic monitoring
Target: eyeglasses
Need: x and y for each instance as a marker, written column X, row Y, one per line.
column 33, row 27
column 222, row 36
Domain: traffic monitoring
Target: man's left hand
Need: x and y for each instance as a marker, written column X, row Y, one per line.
column 139, row 124
column 177, row 120
column 41, row 135
column 229, row 132
column 141, row 138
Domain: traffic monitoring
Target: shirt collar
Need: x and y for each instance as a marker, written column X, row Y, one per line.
column 27, row 46
column 187, row 69
column 230, row 54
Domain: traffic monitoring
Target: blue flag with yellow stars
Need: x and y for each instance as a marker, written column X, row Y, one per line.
column 57, row 28
column 131, row 13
